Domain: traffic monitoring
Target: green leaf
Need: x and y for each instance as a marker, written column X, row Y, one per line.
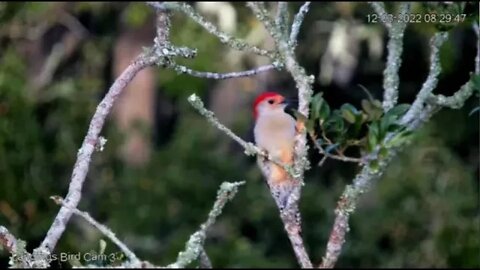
column 399, row 110
column 383, row 152
column 374, row 165
column 310, row 125
column 373, row 132
column 399, row 139
column 315, row 105
column 349, row 113
column 335, row 123
column 320, row 108
column 373, row 112
column 324, row 111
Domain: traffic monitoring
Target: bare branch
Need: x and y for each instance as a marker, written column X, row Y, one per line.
column 456, row 100
column 102, row 228
column 157, row 6
column 7, row 240
column 346, row 206
column 233, row 42
column 194, row 246
column 297, row 23
column 332, row 156
column 222, row 76
column 84, row 154
column 432, row 80
column 281, row 19
column 205, row 260
column 395, row 49
column 379, row 8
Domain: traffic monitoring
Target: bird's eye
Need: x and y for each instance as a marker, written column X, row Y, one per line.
column 271, row 101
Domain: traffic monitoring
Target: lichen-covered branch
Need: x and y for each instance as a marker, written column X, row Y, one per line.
column 395, row 49
column 85, row 152
column 84, row 155
column 424, row 107
column 379, row 8
column 194, row 246
column 102, row 228
column 346, row 206
column 297, row 23
column 222, row 76
column 456, row 100
column 281, row 19
column 367, row 176
column 432, row 79
column 205, row 262
column 234, row 43
column 7, row 240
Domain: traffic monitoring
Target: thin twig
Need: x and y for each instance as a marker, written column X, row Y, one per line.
column 233, row 42
column 432, row 79
column 332, row 156
column 194, row 246
column 222, row 76
column 456, row 100
column 205, row 260
column 346, row 206
column 297, row 23
column 102, row 228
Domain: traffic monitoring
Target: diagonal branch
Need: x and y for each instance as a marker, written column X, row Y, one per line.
column 233, row 42
column 222, row 76
column 102, row 228
column 205, row 260
column 194, row 246
column 84, row 155
column 297, row 23
column 432, row 79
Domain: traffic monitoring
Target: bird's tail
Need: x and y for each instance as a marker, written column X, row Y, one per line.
column 280, row 182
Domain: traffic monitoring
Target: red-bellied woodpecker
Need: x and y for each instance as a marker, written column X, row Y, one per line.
column 274, row 132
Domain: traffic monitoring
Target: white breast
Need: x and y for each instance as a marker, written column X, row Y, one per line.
column 274, row 132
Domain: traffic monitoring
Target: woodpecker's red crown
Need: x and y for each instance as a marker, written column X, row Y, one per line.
column 272, row 98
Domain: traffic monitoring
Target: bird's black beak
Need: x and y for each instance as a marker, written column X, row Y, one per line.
column 292, row 104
